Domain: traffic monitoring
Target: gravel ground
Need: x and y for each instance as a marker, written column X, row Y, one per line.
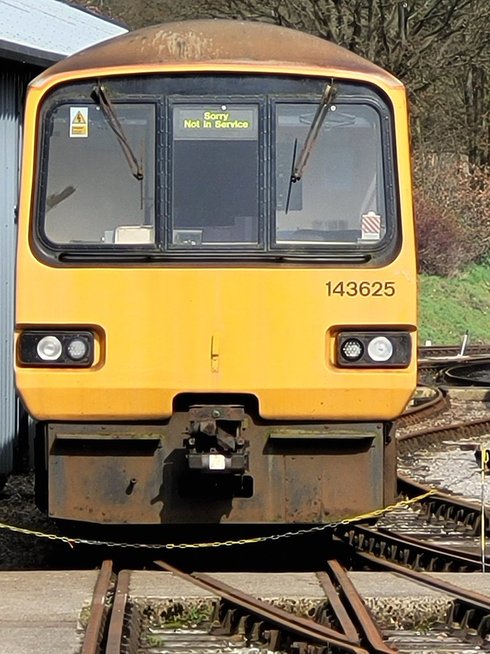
column 459, row 411
column 25, row 551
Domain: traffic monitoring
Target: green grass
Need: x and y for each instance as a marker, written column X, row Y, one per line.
column 450, row 306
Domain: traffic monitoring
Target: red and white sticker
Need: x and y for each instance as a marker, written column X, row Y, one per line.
column 370, row 226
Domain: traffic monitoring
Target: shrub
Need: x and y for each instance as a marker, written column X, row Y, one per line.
column 439, row 239
column 452, row 213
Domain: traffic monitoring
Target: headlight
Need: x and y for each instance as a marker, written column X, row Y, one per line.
column 49, row 348
column 373, row 349
column 56, row 348
column 380, row 349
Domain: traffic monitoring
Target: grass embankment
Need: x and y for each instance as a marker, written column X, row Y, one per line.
column 449, row 306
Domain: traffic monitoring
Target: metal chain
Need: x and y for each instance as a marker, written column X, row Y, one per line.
column 227, row 543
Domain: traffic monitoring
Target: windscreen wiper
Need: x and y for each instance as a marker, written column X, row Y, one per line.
column 290, row 187
column 318, row 119
column 100, row 96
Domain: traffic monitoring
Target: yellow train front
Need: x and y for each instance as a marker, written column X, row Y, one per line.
column 216, row 285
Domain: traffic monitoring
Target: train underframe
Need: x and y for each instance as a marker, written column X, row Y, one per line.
column 214, row 463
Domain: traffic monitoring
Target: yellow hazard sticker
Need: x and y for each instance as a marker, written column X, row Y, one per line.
column 78, row 122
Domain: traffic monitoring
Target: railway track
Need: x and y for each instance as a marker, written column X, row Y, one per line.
column 427, row 402
column 341, row 624
column 434, row 361
column 454, row 514
column 243, row 624
column 452, row 351
column 461, row 514
column 467, row 623
column 467, row 619
column 378, row 548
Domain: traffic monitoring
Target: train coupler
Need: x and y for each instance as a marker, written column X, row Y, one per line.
column 215, row 442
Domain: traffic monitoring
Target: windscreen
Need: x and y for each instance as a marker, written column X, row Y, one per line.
column 340, row 195
column 93, row 194
column 209, row 165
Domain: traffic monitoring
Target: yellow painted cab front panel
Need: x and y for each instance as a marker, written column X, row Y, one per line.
column 162, row 332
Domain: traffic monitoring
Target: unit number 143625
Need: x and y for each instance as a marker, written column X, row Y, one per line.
column 365, row 289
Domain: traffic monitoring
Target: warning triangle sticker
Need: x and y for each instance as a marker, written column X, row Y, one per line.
column 79, row 119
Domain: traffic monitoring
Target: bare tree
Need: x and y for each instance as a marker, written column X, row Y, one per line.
column 439, row 48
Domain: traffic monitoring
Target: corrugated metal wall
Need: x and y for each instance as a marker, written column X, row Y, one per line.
column 13, row 82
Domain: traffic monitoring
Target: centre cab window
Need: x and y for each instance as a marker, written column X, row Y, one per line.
column 215, row 175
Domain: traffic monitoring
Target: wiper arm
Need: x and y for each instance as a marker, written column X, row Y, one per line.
column 318, row 119
column 101, row 98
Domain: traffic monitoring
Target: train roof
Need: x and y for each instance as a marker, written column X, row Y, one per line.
column 220, row 41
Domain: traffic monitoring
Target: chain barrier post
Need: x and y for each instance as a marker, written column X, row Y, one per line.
column 484, row 462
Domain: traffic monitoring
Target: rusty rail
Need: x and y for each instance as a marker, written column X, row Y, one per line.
column 343, row 618
column 99, row 609
column 347, row 640
column 115, row 635
column 370, row 634
column 112, row 627
column 426, row 408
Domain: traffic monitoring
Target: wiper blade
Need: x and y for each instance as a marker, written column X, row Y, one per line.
column 318, row 119
column 100, row 96
column 290, row 187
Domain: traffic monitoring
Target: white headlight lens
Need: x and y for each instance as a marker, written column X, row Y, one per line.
column 49, row 348
column 352, row 349
column 77, row 349
column 380, row 349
